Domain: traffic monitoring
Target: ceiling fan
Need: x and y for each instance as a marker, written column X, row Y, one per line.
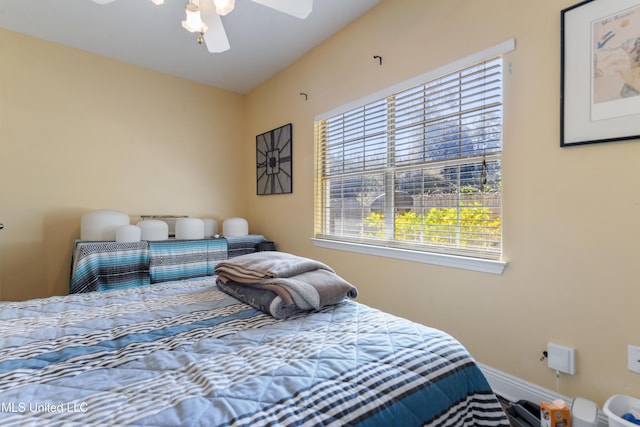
column 204, row 17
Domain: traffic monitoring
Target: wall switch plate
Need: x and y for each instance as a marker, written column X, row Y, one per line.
column 561, row 358
column 633, row 358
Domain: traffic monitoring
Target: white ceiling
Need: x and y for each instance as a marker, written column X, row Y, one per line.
column 263, row 41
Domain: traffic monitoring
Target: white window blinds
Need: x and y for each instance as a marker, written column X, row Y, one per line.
column 436, row 148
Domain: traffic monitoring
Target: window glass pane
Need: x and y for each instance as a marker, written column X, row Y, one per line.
column 349, row 203
column 437, row 148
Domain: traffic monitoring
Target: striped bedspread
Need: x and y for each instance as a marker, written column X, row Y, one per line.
column 105, row 266
column 186, row 354
column 185, row 259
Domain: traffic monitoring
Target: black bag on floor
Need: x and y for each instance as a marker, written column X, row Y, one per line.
column 524, row 414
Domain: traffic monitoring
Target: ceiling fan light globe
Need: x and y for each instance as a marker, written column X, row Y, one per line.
column 157, row 2
column 186, row 26
column 191, row 8
column 193, row 23
column 202, row 28
column 223, row 7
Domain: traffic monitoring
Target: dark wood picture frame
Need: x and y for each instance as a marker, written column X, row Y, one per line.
column 274, row 161
column 600, row 72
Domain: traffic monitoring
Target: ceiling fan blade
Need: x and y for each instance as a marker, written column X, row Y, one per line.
column 298, row 8
column 215, row 37
column 157, row 2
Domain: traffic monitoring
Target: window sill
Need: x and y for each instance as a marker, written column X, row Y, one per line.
column 466, row 263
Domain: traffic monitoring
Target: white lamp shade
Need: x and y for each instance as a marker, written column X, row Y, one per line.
column 235, row 227
column 101, row 224
column 223, row 7
column 153, row 229
column 210, row 227
column 189, row 228
column 128, row 233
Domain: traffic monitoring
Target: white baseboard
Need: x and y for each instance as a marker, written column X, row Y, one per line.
column 514, row 389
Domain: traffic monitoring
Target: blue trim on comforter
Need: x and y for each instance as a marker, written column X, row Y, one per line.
column 184, row 353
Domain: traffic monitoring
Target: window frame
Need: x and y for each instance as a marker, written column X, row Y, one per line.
column 436, row 258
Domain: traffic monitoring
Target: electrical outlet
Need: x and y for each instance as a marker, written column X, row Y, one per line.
column 561, row 358
column 633, row 358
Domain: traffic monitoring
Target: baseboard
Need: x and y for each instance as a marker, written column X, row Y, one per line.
column 513, row 389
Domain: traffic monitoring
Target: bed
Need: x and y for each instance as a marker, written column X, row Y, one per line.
column 184, row 353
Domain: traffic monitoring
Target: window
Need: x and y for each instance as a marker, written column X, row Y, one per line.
column 419, row 168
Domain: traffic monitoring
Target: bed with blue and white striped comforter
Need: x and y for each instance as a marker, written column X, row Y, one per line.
column 186, row 354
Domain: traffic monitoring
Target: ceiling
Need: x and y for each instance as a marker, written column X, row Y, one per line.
column 263, row 41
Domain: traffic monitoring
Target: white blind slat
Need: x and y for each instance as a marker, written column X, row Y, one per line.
column 438, row 146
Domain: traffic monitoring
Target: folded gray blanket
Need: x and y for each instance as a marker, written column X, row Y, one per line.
column 267, row 264
column 264, row 300
column 282, row 284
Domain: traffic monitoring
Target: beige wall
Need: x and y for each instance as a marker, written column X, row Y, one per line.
column 77, row 133
column 80, row 132
column 570, row 232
